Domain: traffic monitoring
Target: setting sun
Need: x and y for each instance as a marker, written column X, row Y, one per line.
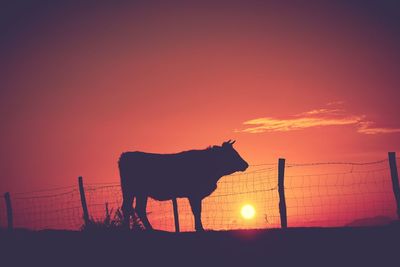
column 248, row 212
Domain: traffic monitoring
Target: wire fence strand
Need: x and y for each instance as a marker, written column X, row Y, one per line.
column 321, row 194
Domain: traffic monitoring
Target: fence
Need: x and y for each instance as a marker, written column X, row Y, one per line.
column 317, row 194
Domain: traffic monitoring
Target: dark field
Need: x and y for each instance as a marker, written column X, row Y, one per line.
column 372, row 246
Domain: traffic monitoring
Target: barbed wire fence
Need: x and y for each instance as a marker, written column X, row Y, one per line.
column 328, row 194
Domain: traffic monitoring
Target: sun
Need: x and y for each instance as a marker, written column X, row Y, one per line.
column 248, row 212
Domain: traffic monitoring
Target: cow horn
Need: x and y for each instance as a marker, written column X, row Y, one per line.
column 232, row 142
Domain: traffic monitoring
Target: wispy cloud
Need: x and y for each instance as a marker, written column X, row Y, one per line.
column 335, row 103
column 314, row 118
column 366, row 127
column 320, row 111
column 284, row 125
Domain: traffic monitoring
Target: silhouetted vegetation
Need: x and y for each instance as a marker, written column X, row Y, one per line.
column 112, row 221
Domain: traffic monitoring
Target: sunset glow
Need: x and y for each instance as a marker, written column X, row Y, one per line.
column 311, row 82
column 248, row 212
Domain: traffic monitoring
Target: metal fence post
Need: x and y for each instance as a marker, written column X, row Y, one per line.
column 395, row 180
column 83, row 200
column 176, row 214
column 10, row 222
column 281, row 190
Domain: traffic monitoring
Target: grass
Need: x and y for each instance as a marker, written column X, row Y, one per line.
column 113, row 221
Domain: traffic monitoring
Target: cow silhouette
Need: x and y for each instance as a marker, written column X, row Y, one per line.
column 189, row 174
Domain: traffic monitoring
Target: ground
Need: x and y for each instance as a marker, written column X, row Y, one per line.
column 364, row 246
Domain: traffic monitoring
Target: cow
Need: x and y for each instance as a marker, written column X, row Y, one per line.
column 189, row 174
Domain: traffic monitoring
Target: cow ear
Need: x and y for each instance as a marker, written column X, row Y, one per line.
column 228, row 143
column 225, row 143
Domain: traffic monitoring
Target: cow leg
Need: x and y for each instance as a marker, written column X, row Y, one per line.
column 127, row 209
column 141, row 203
column 195, row 204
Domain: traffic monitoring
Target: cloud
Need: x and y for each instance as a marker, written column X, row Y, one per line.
column 314, row 118
column 285, row 125
column 322, row 111
column 335, row 103
column 365, row 128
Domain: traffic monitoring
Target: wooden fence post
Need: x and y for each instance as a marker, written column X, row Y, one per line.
column 9, row 211
column 83, row 200
column 176, row 214
column 395, row 180
column 281, row 190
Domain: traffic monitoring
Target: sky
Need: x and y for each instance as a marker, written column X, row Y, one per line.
column 80, row 83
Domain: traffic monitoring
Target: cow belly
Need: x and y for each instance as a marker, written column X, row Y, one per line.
column 167, row 191
column 194, row 192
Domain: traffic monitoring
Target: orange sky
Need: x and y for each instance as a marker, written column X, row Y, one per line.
column 82, row 83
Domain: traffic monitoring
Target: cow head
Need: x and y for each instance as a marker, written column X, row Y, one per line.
column 231, row 160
